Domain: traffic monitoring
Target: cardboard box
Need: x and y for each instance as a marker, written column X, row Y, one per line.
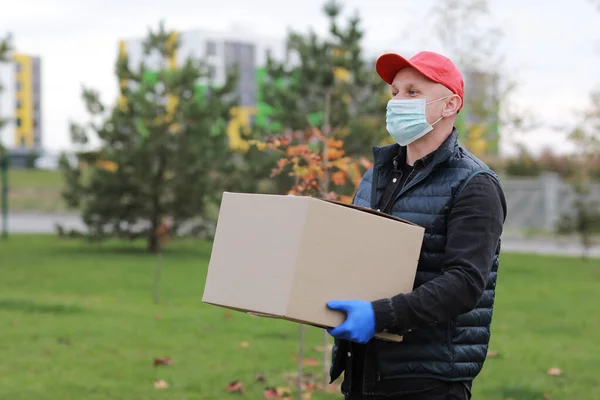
column 286, row 257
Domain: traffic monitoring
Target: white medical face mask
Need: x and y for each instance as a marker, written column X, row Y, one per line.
column 406, row 119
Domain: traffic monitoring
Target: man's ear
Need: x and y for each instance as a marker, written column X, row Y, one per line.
column 452, row 106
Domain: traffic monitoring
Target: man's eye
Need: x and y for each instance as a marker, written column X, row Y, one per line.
column 412, row 92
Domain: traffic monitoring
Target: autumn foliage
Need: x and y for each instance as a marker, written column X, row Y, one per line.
column 319, row 165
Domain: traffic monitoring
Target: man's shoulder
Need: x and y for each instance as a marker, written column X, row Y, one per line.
column 367, row 176
column 463, row 158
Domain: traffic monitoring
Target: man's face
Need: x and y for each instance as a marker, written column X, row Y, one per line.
column 411, row 84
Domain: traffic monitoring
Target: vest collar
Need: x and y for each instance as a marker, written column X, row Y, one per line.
column 384, row 155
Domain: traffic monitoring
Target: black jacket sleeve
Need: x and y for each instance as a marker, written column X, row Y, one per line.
column 474, row 228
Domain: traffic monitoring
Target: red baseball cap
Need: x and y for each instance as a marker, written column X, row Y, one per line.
column 434, row 66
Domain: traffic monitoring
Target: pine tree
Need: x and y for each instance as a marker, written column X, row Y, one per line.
column 163, row 147
column 326, row 83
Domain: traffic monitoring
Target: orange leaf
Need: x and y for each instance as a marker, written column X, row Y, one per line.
column 336, row 144
column 338, row 178
column 163, row 361
column 341, row 164
column 297, row 150
column 282, row 162
column 244, row 345
column 235, row 387
column 334, row 154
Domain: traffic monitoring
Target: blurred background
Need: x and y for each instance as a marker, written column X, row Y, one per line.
column 122, row 123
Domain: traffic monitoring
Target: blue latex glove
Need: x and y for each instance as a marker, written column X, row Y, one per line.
column 359, row 325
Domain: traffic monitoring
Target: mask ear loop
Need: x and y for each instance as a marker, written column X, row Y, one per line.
column 435, row 101
column 442, row 117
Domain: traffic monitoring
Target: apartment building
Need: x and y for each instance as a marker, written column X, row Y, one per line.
column 20, row 102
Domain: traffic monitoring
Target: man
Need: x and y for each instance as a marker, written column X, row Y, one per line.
column 429, row 179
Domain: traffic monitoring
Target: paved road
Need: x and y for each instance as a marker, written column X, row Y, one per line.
column 42, row 223
column 45, row 223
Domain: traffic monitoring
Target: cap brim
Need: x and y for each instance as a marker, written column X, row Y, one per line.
column 389, row 64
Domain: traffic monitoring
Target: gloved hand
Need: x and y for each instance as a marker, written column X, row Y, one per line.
column 359, row 325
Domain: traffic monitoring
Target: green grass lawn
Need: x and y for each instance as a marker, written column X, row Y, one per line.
column 78, row 322
column 35, row 190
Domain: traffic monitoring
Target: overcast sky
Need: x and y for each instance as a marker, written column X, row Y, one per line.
column 551, row 47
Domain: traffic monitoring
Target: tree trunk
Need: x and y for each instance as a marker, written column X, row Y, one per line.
column 326, row 133
column 157, row 274
column 300, row 357
column 153, row 244
column 325, row 189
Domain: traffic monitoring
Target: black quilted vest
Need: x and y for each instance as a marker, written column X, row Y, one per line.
column 450, row 350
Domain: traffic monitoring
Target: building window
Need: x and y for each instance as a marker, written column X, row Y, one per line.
column 18, row 121
column 22, row 140
column 212, row 72
column 35, row 123
column 18, row 67
column 18, row 86
column 211, row 48
column 18, row 104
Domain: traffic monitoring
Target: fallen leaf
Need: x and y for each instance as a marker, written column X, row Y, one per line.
column 161, row 384
column 309, row 386
column 227, row 314
column 163, row 361
column 321, row 349
column 307, row 361
column 503, row 327
column 546, row 396
column 310, row 362
column 244, row 345
column 554, row 372
column 284, row 392
column 307, row 396
column 270, row 393
column 260, row 377
column 492, row 353
column 157, row 316
column 235, row 387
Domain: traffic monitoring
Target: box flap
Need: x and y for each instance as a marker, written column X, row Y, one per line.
column 369, row 210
